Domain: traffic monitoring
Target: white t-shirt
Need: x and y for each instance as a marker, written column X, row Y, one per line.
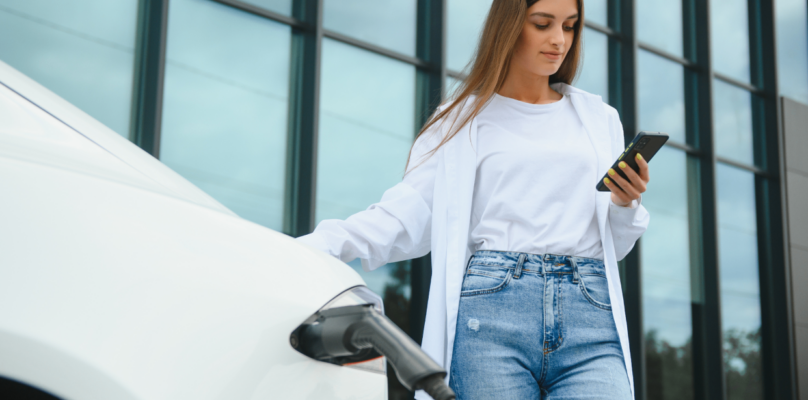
column 520, row 146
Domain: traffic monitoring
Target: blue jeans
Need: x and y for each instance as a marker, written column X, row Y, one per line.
column 536, row 326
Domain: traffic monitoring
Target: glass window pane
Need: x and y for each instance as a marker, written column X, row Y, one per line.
column 279, row 6
column 661, row 101
column 729, row 27
column 596, row 11
column 464, row 26
column 594, row 71
column 386, row 23
column 82, row 50
column 733, row 122
column 740, row 293
column 225, row 106
column 792, row 48
column 451, row 85
column 659, row 23
column 666, row 280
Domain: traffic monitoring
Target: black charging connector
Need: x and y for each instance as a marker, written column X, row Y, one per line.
column 356, row 333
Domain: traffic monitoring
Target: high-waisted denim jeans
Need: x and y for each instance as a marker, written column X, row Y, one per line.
column 536, row 326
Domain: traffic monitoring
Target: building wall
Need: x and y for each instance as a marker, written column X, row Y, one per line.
column 795, row 125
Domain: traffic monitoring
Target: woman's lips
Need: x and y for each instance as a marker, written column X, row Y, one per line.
column 552, row 55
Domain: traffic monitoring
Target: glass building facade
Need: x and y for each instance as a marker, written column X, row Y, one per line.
column 290, row 112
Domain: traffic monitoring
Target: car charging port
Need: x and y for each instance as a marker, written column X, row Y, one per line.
column 357, row 333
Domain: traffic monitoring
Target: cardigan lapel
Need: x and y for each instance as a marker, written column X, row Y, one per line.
column 590, row 110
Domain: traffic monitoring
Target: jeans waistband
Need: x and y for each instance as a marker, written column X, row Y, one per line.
column 538, row 263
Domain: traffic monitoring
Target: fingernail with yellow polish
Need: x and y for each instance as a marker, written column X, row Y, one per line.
column 639, row 156
column 622, row 164
column 606, row 180
column 611, row 172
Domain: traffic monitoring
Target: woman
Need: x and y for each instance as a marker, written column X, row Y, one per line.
column 525, row 299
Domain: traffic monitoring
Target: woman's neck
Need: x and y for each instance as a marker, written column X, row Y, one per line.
column 529, row 88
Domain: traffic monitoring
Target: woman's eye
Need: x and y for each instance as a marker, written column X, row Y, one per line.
column 569, row 28
column 541, row 26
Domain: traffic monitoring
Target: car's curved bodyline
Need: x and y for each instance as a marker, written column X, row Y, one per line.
column 112, row 289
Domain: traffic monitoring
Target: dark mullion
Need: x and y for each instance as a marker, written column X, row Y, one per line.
column 631, row 264
column 416, row 61
column 739, row 84
column 304, row 110
column 777, row 341
column 664, row 54
column 708, row 367
column 147, row 102
column 262, row 12
column 431, row 47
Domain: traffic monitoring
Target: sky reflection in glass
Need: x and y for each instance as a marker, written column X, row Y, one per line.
column 792, row 48
column 225, row 106
column 661, row 101
column 386, row 23
column 659, row 23
column 733, row 122
column 82, row 50
column 594, row 68
column 729, row 27
column 464, row 26
column 740, row 288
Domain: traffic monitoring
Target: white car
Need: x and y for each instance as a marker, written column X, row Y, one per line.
column 119, row 279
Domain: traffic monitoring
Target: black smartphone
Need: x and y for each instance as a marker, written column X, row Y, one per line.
column 645, row 143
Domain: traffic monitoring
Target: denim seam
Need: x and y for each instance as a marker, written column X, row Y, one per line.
column 480, row 273
column 488, row 291
column 603, row 306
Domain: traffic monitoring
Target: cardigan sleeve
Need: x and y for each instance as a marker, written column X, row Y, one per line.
column 630, row 222
column 396, row 228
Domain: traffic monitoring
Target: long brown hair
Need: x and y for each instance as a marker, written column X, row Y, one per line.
column 492, row 58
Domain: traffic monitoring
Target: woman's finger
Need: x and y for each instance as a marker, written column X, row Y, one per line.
column 644, row 173
column 625, row 185
column 634, row 179
column 616, row 190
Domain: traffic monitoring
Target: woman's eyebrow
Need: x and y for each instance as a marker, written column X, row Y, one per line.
column 546, row 15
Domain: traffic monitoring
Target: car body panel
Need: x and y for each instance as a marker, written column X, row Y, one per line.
column 117, row 284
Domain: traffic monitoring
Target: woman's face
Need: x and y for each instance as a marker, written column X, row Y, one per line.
column 546, row 36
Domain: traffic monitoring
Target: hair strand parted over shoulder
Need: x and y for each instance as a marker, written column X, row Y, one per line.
column 501, row 30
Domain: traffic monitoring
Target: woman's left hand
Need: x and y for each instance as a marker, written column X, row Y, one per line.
column 623, row 191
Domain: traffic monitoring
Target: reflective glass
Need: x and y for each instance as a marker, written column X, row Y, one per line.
column 740, row 289
column 665, row 260
column 594, row 71
column 661, row 101
column 596, row 11
column 225, row 106
column 659, row 23
column 279, row 6
column 451, row 85
column 729, row 27
column 82, row 50
column 464, row 27
column 733, row 122
column 792, row 48
column 385, row 23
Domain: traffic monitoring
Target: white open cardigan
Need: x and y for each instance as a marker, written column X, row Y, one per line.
column 406, row 227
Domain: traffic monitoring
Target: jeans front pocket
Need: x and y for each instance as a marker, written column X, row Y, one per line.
column 595, row 288
column 485, row 279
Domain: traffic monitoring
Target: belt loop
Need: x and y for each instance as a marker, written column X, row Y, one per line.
column 519, row 263
column 574, row 270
